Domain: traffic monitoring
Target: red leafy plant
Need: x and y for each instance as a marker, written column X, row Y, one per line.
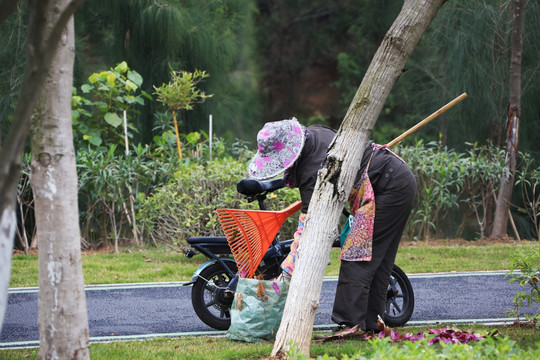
column 448, row 335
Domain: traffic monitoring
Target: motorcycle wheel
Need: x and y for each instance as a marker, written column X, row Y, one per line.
column 211, row 297
column 400, row 299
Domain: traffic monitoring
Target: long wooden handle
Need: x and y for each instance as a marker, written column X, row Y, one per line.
column 426, row 120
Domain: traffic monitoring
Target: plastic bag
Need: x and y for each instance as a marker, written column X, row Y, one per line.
column 346, row 228
column 257, row 309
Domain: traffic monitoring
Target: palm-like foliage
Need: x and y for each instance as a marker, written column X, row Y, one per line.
column 154, row 36
column 468, row 49
column 12, row 60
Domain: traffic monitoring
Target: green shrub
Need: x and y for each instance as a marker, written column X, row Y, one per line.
column 528, row 179
column 97, row 119
column 526, row 270
column 455, row 190
column 186, row 205
column 487, row 349
column 177, row 199
column 111, row 186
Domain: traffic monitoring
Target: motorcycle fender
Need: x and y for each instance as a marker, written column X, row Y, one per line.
column 204, row 266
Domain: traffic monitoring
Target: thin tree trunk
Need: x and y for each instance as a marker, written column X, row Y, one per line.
column 62, row 316
column 23, row 237
column 8, row 223
column 500, row 220
column 336, row 178
column 40, row 52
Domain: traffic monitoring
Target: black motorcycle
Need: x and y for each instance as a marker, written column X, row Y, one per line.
column 214, row 282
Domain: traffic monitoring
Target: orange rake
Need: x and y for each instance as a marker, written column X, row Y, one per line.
column 250, row 233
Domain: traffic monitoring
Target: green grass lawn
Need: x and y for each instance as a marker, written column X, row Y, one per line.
column 221, row 348
column 164, row 264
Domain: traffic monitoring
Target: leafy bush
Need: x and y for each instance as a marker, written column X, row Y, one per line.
column 490, row 348
column 97, row 120
column 526, row 270
column 186, row 205
column 177, row 199
column 528, row 179
column 487, row 349
column 458, row 186
column 111, row 185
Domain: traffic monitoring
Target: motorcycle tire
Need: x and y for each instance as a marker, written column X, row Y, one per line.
column 400, row 299
column 211, row 298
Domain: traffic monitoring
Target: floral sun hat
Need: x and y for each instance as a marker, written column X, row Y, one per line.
column 279, row 145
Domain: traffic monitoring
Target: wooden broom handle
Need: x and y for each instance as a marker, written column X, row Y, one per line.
column 426, row 120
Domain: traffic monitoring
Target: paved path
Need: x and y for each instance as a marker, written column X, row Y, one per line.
column 136, row 311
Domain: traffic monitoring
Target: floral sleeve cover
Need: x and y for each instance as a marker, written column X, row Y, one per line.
column 288, row 263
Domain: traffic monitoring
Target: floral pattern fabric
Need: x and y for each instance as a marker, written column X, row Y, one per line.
column 279, row 145
column 288, row 264
column 358, row 243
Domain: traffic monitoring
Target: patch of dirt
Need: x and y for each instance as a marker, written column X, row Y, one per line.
column 280, row 356
column 100, row 250
column 525, row 324
column 32, row 251
column 460, row 242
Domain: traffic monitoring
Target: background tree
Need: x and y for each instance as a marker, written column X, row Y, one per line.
column 62, row 317
column 13, row 35
column 500, row 220
column 335, row 179
column 44, row 36
column 153, row 36
column 322, row 48
column 181, row 93
column 312, row 54
column 328, row 46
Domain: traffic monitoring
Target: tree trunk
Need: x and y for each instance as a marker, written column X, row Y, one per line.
column 8, row 223
column 38, row 59
column 500, row 220
column 62, row 316
column 342, row 163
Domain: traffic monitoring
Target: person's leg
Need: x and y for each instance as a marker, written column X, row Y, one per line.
column 350, row 303
column 362, row 285
column 381, row 279
column 392, row 213
column 357, row 287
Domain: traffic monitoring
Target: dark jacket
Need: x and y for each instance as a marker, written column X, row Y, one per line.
column 383, row 167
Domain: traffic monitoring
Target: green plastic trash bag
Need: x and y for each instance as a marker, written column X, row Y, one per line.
column 346, row 229
column 257, row 309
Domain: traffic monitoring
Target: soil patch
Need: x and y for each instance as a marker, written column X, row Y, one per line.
column 461, row 242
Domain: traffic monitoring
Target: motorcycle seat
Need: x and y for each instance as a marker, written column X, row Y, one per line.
column 196, row 240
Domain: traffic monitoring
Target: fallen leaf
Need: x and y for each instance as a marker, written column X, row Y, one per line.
column 276, row 288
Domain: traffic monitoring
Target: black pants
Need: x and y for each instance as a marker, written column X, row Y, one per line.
column 362, row 285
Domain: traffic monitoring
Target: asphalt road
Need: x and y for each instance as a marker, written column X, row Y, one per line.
column 137, row 311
